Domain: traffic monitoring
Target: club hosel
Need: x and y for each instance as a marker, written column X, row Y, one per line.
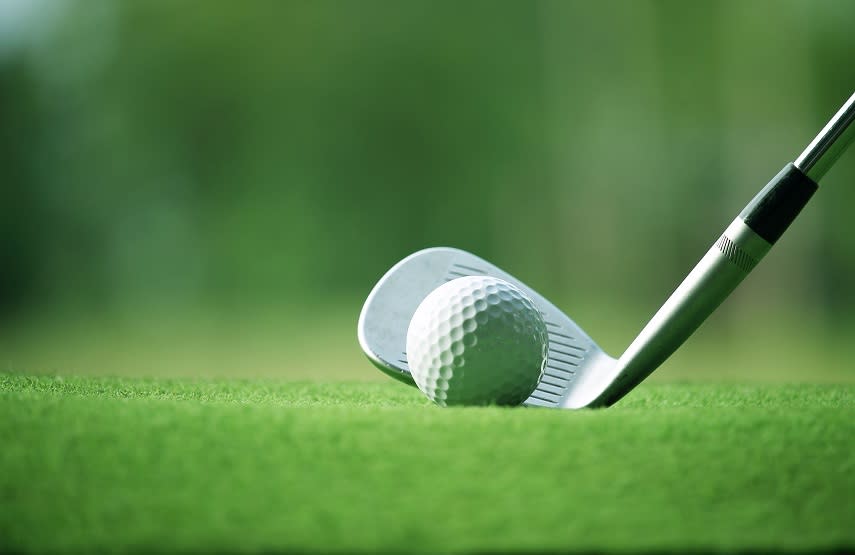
column 742, row 245
column 712, row 279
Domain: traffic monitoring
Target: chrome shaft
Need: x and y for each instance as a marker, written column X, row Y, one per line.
column 824, row 150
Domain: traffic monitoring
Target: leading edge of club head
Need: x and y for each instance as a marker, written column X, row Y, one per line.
column 574, row 362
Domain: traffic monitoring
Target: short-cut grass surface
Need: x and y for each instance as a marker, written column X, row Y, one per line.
column 96, row 464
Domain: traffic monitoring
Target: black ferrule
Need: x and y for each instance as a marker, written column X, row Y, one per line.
column 774, row 208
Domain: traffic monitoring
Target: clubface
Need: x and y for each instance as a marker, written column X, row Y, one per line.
column 386, row 315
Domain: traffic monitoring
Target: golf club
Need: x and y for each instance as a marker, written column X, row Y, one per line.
column 578, row 373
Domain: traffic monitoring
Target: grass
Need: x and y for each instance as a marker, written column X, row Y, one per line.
column 109, row 464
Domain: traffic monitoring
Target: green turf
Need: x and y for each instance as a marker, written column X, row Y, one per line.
column 91, row 464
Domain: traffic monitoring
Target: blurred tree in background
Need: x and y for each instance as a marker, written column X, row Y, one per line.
column 220, row 154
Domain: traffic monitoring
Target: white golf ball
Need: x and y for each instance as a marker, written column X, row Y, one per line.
column 477, row 340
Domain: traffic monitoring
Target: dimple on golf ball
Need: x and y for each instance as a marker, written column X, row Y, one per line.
column 477, row 340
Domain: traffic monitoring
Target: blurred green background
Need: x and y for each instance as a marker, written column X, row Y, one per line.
column 197, row 188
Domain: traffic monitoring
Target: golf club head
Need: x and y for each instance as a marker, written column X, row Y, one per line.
column 386, row 315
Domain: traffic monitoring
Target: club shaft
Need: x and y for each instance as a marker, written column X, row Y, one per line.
column 732, row 257
column 824, row 150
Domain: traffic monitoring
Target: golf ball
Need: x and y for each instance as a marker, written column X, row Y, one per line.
column 477, row 340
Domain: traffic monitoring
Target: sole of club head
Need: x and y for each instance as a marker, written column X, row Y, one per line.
column 573, row 357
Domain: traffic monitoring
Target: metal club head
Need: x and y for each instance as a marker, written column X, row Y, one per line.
column 386, row 315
